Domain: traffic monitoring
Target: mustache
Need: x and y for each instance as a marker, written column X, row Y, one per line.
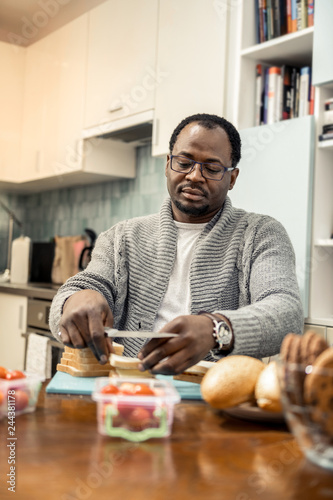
column 192, row 186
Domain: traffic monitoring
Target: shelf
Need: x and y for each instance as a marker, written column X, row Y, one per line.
column 294, row 48
column 322, row 321
column 328, row 144
column 328, row 242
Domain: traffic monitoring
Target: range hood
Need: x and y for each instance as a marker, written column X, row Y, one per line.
column 134, row 129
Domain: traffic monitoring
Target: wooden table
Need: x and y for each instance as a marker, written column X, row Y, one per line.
column 60, row 456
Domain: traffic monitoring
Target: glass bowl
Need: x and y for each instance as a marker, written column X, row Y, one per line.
column 307, row 400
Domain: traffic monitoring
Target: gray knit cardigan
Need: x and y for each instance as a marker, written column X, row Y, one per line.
column 243, row 267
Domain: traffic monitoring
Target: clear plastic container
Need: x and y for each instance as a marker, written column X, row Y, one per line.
column 135, row 417
column 19, row 395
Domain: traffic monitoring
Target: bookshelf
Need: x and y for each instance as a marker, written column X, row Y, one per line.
column 315, row 179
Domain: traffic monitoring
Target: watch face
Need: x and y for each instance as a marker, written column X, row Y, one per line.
column 225, row 336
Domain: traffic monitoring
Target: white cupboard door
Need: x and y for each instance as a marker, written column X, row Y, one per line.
column 276, row 178
column 322, row 71
column 121, row 76
column 191, row 50
column 34, row 110
column 11, row 104
column 70, row 46
column 13, row 313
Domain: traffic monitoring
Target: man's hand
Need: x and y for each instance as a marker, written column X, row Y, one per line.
column 84, row 317
column 194, row 341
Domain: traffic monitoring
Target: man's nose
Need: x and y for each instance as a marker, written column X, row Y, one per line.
column 195, row 174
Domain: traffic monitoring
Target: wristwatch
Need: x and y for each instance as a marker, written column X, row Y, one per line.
column 221, row 333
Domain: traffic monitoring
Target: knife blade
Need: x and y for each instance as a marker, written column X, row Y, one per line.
column 113, row 332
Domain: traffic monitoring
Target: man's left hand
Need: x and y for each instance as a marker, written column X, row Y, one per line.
column 174, row 355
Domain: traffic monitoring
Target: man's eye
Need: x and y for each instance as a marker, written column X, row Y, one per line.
column 183, row 164
column 213, row 169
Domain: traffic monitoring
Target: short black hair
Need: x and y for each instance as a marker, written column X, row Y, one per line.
column 212, row 121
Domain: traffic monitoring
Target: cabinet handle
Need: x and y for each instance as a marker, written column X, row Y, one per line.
column 117, row 107
column 155, row 131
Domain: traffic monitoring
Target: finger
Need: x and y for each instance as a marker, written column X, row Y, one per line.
column 162, row 351
column 150, row 347
column 98, row 340
column 71, row 336
column 174, row 364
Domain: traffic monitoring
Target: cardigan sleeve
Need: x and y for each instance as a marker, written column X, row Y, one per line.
column 270, row 304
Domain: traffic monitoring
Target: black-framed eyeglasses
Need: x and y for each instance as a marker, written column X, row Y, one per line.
column 184, row 165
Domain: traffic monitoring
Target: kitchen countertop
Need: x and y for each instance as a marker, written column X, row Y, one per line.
column 35, row 290
column 60, row 455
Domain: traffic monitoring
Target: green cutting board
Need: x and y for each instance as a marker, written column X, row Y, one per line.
column 63, row 383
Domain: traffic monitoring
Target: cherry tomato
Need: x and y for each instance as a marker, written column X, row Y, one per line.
column 136, row 389
column 14, row 374
column 109, row 389
column 3, row 372
column 139, row 418
column 21, row 400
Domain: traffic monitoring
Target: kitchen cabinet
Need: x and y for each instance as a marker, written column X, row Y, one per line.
column 13, row 313
column 53, row 151
column 121, row 75
column 54, row 102
column 11, row 105
column 191, row 56
column 323, row 43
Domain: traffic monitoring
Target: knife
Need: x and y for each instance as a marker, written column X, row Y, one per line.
column 113, row 332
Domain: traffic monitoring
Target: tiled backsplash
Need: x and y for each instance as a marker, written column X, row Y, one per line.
column 69, row 211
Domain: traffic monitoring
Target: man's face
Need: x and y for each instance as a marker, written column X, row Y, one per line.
column 194, row 198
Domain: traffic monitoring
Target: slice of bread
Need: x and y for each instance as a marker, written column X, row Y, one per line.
column 128, row 367
column 81, row 373
column 196, row 372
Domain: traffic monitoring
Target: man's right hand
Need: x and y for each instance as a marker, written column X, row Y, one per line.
column 85, row 314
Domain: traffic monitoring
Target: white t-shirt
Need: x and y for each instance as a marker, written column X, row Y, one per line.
column 177, row 299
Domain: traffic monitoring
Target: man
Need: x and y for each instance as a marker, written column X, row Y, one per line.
column 221, row 278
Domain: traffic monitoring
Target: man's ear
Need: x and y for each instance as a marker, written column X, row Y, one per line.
column 233, row 178
column 167, row 164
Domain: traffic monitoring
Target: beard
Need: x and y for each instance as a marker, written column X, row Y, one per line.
column 191, row 210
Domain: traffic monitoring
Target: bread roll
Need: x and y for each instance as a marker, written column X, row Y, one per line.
column 267, row 391
column 231, row 381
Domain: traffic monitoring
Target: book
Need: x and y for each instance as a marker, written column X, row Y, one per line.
column 312, row 99
column 293, row 14
column 274, row 75
column 326, row 137
column 286, row 92
column 265, row 106
column 262, row 20
column 293, row 92
column 304, row 91
column 310, row 12
column 270, row 20
column 260, row 94
column 296, row 110
column 288, row 12
column 283, row 17
column 302, row 14
column 257, row 21
column 276, row 18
